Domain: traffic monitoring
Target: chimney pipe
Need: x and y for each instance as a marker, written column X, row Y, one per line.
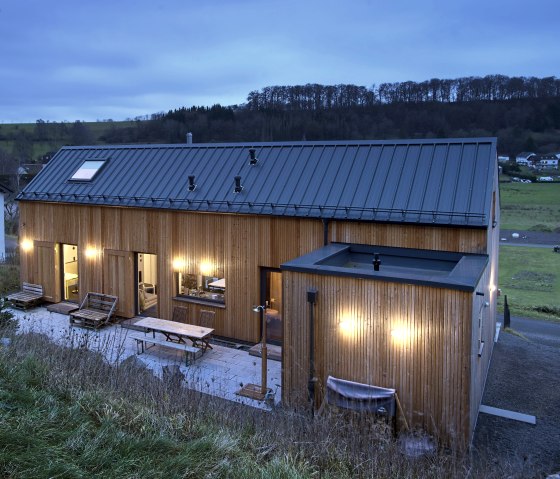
column 189, row 138
column 192, row 185
column 376, row 262
column 253, row 160
column 238, row 187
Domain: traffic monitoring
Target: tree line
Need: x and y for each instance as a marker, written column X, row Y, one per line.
column 320, row 97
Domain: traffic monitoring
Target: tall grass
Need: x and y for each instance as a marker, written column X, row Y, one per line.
column 65, row 412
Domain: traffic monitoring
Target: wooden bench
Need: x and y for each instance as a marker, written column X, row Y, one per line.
column 95, row 311
column 142, row 340
column 30, row 295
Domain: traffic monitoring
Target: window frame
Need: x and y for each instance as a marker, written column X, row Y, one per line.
column 103, row 162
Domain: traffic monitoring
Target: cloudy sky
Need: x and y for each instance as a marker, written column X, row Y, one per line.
column 63, row 60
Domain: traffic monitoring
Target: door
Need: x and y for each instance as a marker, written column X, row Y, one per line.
column 147, row 281
column 271, row 296
column 118, row 273
column 69, row 268
column 46, row 270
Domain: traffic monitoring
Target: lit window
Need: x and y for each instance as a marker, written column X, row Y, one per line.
column 88, row 170
column 206, row 288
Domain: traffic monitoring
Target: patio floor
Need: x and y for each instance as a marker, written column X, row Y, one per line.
column 220, row 372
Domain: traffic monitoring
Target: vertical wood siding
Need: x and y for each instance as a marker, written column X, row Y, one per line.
column 415, row 339
column 437, row 238
column 235, row 245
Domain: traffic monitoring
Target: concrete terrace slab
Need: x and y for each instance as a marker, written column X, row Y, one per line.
column 220, row 372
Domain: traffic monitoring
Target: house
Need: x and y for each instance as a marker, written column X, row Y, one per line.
column 503, row 159
column 524, row 158
column 545, row 161
column 377, row 260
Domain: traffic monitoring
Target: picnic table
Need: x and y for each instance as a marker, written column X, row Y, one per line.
column 175, row 336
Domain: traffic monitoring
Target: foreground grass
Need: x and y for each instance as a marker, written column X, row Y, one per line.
column 530, row 206
column 66, row 413
column 530, row 277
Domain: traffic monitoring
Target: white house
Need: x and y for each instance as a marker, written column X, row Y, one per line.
column 524, row 158
column 503, row 159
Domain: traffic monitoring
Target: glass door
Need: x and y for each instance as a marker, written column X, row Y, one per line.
column 271, row 296
column 70, row 283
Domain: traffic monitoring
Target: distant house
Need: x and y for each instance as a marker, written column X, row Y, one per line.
column 503, row 159
column 388, row 248
column 524, row 158
column 545, row 161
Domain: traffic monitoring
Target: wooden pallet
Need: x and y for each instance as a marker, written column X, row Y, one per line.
column 30, row 296
column 95, row 311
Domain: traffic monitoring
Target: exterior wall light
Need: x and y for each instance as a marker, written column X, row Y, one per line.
column 26, row 245
column 399, row 334
column 206, row 268
column 348, row 327
column 90, row 252
column 178, row 264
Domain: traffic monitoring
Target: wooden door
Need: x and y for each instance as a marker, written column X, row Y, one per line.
column 46, row 269
column 118, row 280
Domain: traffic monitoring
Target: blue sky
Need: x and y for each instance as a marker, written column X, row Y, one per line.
column 85, row 60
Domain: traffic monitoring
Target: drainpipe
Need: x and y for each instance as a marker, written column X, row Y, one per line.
column 325, row 232
column 312, row 380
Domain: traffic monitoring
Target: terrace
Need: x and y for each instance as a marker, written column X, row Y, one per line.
column 220, row 372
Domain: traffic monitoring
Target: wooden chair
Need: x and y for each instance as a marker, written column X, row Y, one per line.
column 30, row 295
column 180, row 314
column 96, row 310
column 206, row 320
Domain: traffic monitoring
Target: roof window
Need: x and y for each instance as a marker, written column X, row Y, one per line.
column 88, row 170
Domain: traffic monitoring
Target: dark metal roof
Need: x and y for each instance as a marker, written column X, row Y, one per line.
column 446, row 181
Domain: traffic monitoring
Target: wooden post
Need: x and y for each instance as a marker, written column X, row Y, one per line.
column 264, row 352
column 507, row 319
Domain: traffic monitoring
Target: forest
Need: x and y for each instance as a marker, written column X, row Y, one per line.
column 523, row 112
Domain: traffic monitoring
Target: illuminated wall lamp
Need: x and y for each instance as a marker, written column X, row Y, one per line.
column 178, row 264
column 205, row 269
column 399, row 334
column 90, row 253
column 26, row 245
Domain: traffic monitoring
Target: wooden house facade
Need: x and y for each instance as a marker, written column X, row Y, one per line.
column 223, row 227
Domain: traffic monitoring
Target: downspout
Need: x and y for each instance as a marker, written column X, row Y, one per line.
column 312, row 380
column 325, row 232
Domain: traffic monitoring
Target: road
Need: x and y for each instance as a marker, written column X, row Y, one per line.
column 524, row 376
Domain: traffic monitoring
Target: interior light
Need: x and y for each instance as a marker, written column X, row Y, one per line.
column 26, row 245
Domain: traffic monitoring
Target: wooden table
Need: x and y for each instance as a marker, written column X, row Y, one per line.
column 177, row 332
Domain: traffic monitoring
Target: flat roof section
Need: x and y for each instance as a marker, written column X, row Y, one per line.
column 440, row 269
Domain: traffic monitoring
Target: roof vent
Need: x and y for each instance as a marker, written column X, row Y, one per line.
column 189, row 138
column 238, row 187
column 192, row 185
column 253, row 160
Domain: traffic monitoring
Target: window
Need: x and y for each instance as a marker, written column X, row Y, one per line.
column 200, row 287
column 88, row 170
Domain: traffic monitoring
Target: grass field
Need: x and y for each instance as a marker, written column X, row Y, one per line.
column 530, row 277
column 66, row 413
column 530, row 206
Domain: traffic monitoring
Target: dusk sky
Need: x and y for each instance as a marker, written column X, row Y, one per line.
column 85, row 60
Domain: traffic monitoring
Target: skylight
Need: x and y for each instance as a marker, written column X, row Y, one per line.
column 88, row 170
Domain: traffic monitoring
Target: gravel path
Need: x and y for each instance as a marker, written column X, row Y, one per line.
column 524, row 376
